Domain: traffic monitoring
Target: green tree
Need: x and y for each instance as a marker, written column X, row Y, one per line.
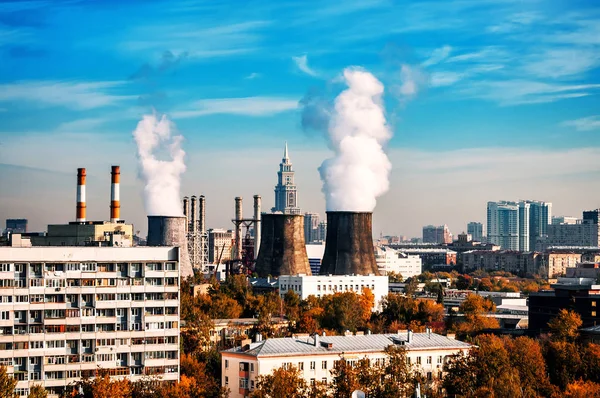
column 565, row 326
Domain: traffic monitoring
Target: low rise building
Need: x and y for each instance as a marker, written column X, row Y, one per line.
column 226, row 331
column 220, row 242
column 390, row 260
column 67, row 311
column 430, row 254
column 581, row 295
column 87, row 233
column 320, row 285
column 316, row 356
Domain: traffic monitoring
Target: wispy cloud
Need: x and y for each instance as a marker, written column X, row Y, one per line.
column 206, row 42
column 438, row 55
column 441, row 79
column 80, row 125
column 516, row 92
column 74, row 95
column 584, row 124
column 563, row 62
column 253, row 75
column 302, row 64
column 249, row 106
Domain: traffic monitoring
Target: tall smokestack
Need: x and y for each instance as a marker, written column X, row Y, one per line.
column 80, row 214
column 349, row 244
column 194, row 215
column 115, row 201
column 238, row 228
column 186, row 212
column 170, row 231
column 202, row 214
column 282, row 248
column 257, row 226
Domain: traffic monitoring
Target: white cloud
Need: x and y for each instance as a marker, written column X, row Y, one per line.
column 302, row 64
column 564, row 62
column 584, row 124
column 441, row 79
column 253, row 75
column 248, row 106
column 74, row 95
column 80, row 125
column 438, row 55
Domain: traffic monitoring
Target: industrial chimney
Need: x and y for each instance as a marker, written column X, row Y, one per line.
column 186, row 212
column 282, row 248
column 349, row 244
column 257, row 226
column 238, row 228
column 80, row 214
column 170, row 231
column 115, row 201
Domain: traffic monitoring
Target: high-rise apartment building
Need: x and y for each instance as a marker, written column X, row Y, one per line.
column 584, row 233
column 65, row 312
column 220, row 242
column 475, row 229
column 285, row 190
column 437, row 234
column 558, row 220
column 518, row 225
column 311, row 228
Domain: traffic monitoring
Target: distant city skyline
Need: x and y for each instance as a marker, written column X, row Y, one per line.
column 480, row 109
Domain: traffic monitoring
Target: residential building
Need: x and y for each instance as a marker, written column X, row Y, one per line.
column 503, row 224
column 286, row 200
column 581, row 295
column 315, row 253
column 220, row 244
column 67, row 311
column 437, row 234
column 390, row 260
column 322, row 235
column 540, row 216
column 585, row 232
column 311, row 228
column 315, row 356
column 16, row 225
column 565, row 220
column 321, row 285
column 475, row 229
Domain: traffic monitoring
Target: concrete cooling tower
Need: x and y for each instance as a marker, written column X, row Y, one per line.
column 170, row 231
column 349, row 244
column 282, row 248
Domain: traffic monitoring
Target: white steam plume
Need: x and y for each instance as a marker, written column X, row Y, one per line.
column 359, row 171
column 161, row 177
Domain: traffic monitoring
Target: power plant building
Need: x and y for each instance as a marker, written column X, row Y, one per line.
column 68, row 311
column 390, row 260
column 220, row 244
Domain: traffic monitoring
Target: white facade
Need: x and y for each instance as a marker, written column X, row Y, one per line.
column 67, row 311
column 320, row 285
column 315, row 356
column 391, row 260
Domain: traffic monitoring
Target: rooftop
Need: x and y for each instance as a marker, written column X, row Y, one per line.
column 347, row 344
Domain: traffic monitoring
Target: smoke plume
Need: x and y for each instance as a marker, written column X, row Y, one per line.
column 154, row 137
column 359, row 171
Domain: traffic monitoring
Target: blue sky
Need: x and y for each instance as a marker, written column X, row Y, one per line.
column 486, row 98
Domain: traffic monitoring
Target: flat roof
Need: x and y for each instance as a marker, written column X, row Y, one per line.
column 87, row 253
column 286, row 346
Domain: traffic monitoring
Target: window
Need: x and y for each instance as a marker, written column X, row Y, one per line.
column 243, row 383
column 312, row 382
column 226, row 365
column 5, row 315
column 251, row 367
column 312, row 365
column 440, row 359
column 593, row 313
column 428, row 360
column 324, row 380
column 418, row 360
column 593, row 303
column 324, row 365
column 300, row 365
column 429, row 376
column 226, row 378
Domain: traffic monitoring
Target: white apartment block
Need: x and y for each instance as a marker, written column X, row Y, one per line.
column 315, row 357
column 67, row 311
column 320, row 285
column 391, row 260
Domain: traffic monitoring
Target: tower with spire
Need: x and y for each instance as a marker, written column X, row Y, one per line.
column 285, row 190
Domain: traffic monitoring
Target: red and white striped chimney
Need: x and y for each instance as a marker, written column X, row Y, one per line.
column 115, row 202
column 80, row 215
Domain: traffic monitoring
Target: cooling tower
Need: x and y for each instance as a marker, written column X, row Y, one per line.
column 349, row 244
column 282, row 248
column 170, row 231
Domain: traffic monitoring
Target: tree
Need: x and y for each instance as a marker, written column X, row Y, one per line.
column 526, row 356
column 461, row 375
column 7, row 384
column 582, row 389
column 395, row 277
column 343, row 311
column 564, row 326
column 282, row 383
column 463, row 282
column 474, row 309
column 102, row 387
column 37, row 391
column 345, row 378
column 564, row 362
column 291, row 305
